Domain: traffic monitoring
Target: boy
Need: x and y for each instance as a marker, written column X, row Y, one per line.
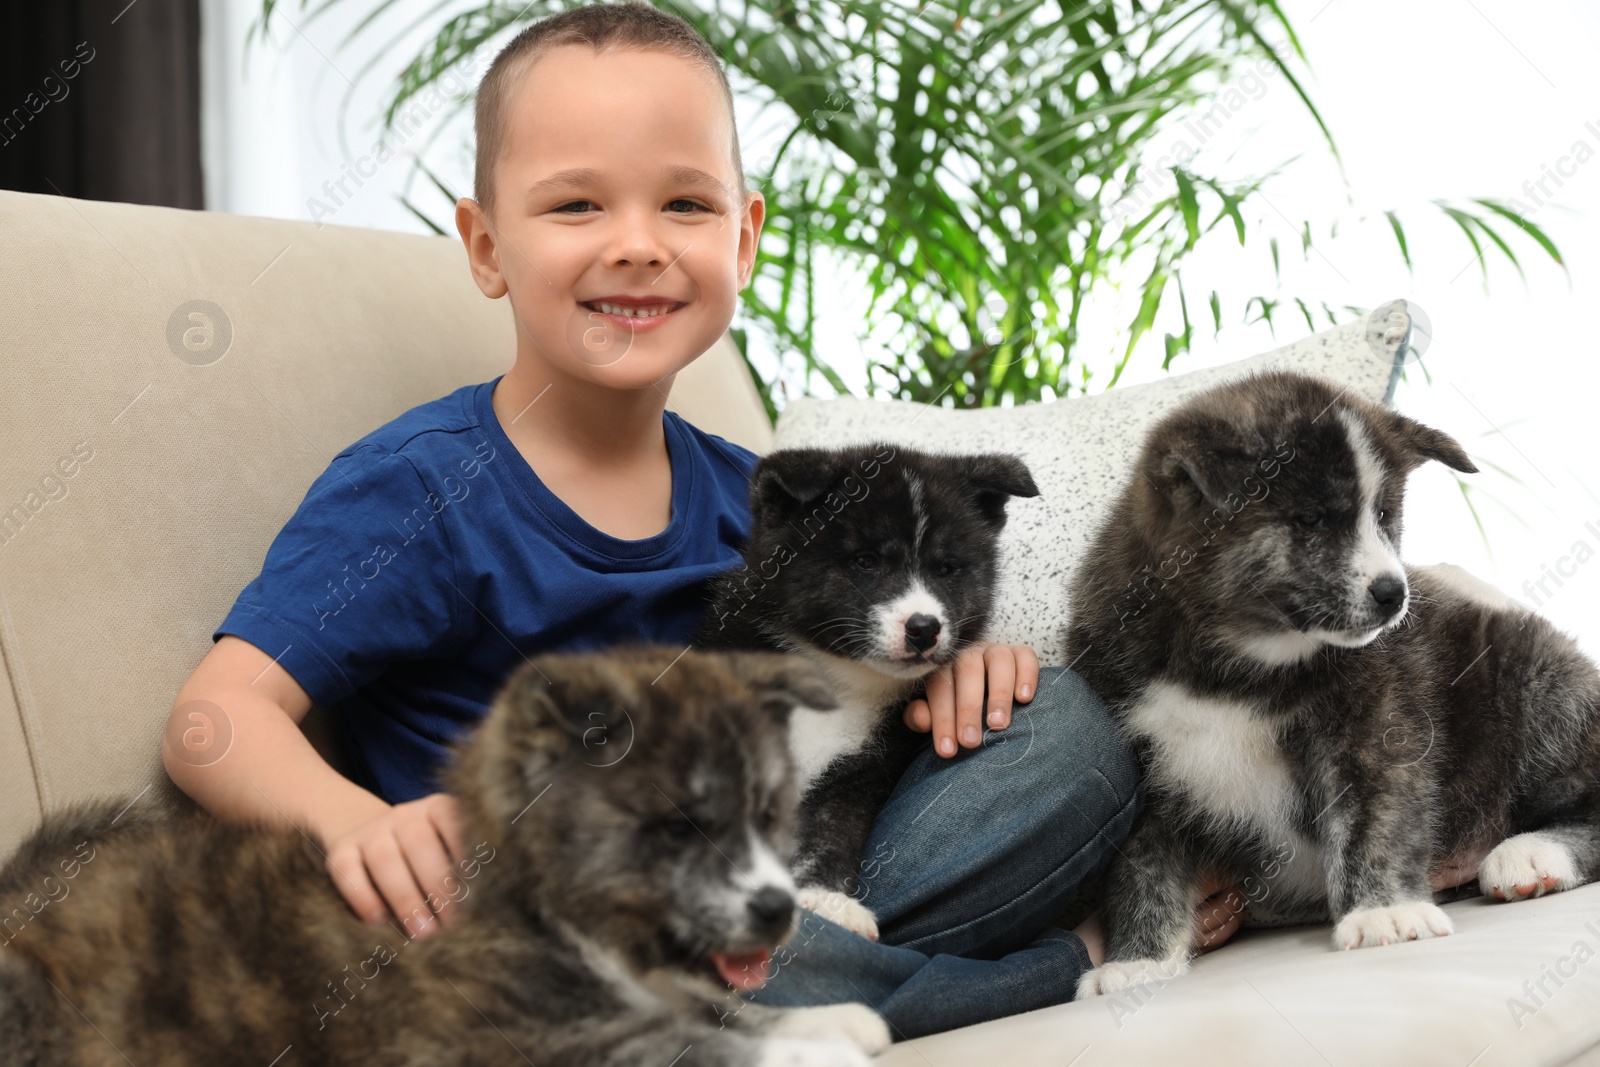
column 560, row 507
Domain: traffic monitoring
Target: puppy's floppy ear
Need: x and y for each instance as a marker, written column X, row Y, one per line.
column 792, row 475
column 996, row 477
column 1425, row 443
column 525, row 715
column 557, row 706
column 783, row 681
column 1201, row 474
column 513, row 753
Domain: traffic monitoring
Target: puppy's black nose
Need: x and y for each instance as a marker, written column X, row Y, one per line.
column 922, row 632
column 1387, row 592
column 771, row 908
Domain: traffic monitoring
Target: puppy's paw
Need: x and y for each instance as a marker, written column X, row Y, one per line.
column 836, row 907
column 852, row 1022
column 798, row 1052
column 1115, row 977
column 1390, row 924
column 1528, row 865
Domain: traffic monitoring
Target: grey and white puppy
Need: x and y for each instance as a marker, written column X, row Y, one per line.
column 1311, row 715
column 630, row 815
column 878, row 563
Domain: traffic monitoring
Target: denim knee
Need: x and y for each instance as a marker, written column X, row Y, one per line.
column 1076, row 735
column 993, row 842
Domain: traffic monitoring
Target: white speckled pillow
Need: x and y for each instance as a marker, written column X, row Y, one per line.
column 1079, row 451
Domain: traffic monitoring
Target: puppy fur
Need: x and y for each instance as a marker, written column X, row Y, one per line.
column 878, row 563
column 630, row 821
column 1314, row 719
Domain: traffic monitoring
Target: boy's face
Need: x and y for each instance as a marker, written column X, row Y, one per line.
column 596, row 196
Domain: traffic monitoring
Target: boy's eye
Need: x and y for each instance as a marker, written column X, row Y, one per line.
column 679, row 206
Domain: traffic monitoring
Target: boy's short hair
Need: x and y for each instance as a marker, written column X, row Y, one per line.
column 626, row 24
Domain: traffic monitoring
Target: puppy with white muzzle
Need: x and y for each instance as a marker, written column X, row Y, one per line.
column 632, row 813
column 1309, row 712
column 878, row 563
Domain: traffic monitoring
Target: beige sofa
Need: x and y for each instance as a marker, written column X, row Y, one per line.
column 147, row 458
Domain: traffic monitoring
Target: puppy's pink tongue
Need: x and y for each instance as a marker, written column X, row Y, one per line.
column 743, row 970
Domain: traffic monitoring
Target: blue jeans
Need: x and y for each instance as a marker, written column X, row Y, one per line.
column 967, row 866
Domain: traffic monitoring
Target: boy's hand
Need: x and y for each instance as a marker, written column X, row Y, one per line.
column 1217, row 917
column 1219, row 914
column 953, row 708
column 401, row 858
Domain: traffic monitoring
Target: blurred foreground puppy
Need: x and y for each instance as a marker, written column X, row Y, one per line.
column 631, row 816
column 1314, row 718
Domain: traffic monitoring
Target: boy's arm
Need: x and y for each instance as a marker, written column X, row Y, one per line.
column 271, row 776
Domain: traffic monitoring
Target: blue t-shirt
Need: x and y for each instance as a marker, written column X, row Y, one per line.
column 428, row 560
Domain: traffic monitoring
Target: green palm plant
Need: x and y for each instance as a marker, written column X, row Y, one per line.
column 983, row 165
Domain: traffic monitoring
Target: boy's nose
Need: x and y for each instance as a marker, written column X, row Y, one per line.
column 641, row 243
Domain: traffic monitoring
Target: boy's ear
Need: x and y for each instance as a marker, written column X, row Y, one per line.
column 751, row 215
column 483, row 256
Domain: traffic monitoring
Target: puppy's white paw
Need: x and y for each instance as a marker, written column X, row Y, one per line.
column 836, row 907
column 1390, row 924
column 1115, row 977
column 852, row 1022
column 1528, row 865
column 798, row 1052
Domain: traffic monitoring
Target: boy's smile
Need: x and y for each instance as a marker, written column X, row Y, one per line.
column 619, row 230
column 633, row 313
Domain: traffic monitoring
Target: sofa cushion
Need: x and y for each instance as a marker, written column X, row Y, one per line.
column 1274, row 997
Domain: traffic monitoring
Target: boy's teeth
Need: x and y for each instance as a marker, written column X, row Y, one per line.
column 643, row 313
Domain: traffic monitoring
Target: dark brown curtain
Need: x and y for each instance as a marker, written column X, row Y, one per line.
column 100, row 99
